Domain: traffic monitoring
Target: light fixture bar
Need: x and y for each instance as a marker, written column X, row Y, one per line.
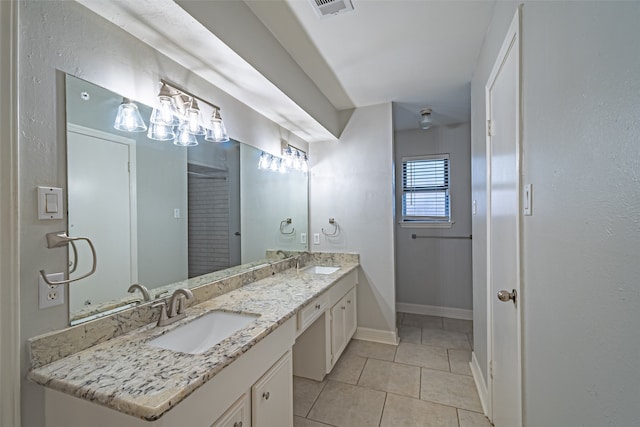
column 185, row 92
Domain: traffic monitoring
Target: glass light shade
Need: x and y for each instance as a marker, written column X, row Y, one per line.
column 160, row 132
column 194, row 121
column 184, row 138
column 297, row 161
column 288, row 157
column 217, row 131
column 263, row 162
column 275, row 164
column 305, row 164
column 128, row 118
column 282, row 166
column 165, row 113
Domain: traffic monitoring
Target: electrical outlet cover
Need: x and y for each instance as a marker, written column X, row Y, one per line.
column 50, row 296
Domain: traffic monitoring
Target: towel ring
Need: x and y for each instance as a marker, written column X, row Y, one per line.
column 335, row 231
column 283, row 224
column 59, row 239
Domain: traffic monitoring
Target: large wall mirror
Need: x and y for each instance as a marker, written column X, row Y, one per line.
column 162, row 215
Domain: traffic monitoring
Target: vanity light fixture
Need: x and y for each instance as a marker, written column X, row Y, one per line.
column 425, row 121
column 177, row 113
column 128, row 118
column 293, row 159
column 217, row 132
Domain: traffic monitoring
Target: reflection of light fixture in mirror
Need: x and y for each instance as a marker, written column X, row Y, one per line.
column 184, row 138
column 425, row 121
column 217, row 132
column 305, row 164
column 128, row 118
column 160, row 132
column 263, row 163
column 275, row 164
column 165, row 113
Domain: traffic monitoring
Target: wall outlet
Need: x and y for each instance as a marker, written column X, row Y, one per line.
column 303, row 238
column 316, row 238
column 51, row 296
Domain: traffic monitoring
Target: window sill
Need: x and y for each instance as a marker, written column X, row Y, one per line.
column 419, row 224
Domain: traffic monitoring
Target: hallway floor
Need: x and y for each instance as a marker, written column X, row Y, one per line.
column 425, row 381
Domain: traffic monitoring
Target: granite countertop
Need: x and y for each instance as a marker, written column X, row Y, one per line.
column 130, row 376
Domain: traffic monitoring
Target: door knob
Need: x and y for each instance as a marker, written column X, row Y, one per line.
column 505, row 296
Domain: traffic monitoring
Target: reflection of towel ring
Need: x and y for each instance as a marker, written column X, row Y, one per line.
column 59, row 239
column 333, row 222
column 283, row 224
column 73, row 265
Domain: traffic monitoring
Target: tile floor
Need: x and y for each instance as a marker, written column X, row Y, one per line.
column 424, row 382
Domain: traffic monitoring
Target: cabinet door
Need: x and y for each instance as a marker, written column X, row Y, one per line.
column 338, row 337
column 350, row 315
column 272, row 396
column 238, row 415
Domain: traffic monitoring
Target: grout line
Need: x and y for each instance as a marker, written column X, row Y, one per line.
column 420, row 388
column 449, row 359
column 383, row 408
column 317, row 397
column 458, row 416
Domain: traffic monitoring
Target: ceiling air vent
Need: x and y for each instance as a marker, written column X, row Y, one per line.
column 331, row 7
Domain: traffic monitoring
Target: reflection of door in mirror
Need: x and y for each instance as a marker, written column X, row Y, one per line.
column 101, row 205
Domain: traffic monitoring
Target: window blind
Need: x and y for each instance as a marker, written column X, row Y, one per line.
column 425, row 189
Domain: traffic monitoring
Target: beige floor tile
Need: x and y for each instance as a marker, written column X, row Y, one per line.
column 411, row 334
column 472, row 419
column 348, row 405
column 404, row 411
column 371, row 349
column 391, row 377
column 399, row 316
column 348, row 368
column 449, row 389
column 457, row 325
column 446, row 339
column 459, row 361
column 470, row 337
column 305, row 393
column 303, row 422
column 422, row 321
column 423, row 355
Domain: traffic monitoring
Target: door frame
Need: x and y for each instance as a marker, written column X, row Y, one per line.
column 512, row 40
column 9, row 221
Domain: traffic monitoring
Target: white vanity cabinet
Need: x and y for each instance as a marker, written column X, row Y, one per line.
column 324, row 329
column 272, row 396
column 239, row 415
column 343, row 323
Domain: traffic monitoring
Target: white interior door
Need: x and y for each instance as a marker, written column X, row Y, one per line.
column 101, row 206
column 503, row 155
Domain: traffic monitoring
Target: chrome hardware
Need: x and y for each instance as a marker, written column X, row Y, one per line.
column 317, row 306
column 348, row 301
column 283, row 224
column 265, row 395
column 175, row 310
column 334, row 233
column 343, row 307
column 143, row 289
column 59, row 239
column 505, row 296
column 237, row 424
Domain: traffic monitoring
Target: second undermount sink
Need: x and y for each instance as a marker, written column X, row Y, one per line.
column 321, row 269
column 200, row 335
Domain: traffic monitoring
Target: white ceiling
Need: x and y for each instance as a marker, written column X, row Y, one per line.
column 415, row 53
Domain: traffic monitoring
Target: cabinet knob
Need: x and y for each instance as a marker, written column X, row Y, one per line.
column 265, row 395
column 348, row 301
column 317, row 306
column 343, row 307
column 237, row 424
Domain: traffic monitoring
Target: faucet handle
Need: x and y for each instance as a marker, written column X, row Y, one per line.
column 163, row 320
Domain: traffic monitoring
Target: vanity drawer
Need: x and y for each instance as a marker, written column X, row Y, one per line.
column 310, row 313
column 239, row 415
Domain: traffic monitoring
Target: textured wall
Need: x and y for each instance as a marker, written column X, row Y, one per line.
column 352, row 181
column 437, row 272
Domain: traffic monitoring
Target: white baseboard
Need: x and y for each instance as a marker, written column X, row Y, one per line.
column 377, row 335
column 481, row 385
column 432, row 310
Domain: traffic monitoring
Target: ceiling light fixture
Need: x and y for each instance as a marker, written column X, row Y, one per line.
column 425, row 121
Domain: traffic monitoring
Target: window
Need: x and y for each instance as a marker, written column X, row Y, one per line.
column 425, row 189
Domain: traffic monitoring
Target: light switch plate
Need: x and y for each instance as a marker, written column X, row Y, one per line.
column 50, row 203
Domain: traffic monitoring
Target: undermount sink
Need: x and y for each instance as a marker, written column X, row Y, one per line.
column 321, row 269
column 200, row 335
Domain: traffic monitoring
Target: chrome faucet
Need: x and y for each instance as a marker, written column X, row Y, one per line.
column 280, row 251
column 300, row 258
column 175, row 310
column 143, row 289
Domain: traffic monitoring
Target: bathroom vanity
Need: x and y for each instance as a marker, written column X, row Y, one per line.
column 304, row 319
